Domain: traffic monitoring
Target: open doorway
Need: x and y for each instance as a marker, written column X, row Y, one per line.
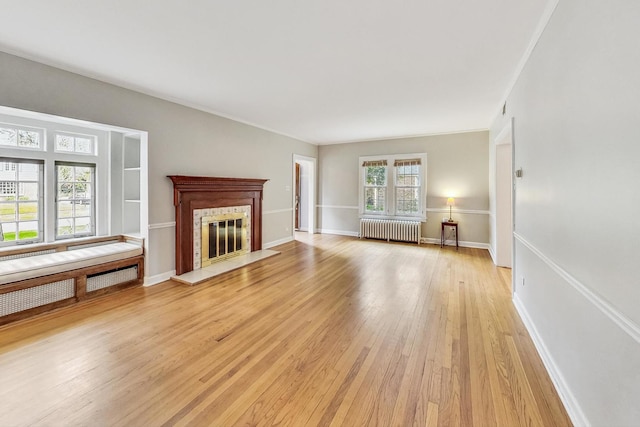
column 304, row 179
column 504, row 191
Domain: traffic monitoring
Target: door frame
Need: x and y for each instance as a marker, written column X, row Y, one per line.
column 505, row 137
column 311, row 164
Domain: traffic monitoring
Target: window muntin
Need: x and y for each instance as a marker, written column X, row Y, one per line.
column 75, row 200
column 77, row 144
column 407, row 187
column 21, row 137
column 375, row 186
column 21, row 184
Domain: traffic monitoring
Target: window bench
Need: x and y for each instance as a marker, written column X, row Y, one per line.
column 42, row 277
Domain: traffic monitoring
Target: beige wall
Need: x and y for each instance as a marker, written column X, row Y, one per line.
column 182, row 140
column 456, row 164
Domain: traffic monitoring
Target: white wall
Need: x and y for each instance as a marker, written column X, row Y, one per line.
column 576, row 137
column 181, row 141
column 456, row 164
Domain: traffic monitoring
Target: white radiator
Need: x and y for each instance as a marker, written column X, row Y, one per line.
column 390, row 229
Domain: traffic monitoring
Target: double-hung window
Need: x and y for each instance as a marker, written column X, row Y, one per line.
column 375, row 186
column 75, row 200
column 407, row 173
column 393, row 186
column 21, row 210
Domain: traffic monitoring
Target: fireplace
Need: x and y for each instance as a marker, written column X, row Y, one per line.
column 196, row 197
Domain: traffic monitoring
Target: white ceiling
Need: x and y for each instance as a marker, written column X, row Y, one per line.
column 323, row 71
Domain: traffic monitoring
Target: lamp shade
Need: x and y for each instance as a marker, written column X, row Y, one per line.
column 451, row 201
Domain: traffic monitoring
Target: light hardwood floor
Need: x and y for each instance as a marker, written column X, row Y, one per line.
column 334, row 331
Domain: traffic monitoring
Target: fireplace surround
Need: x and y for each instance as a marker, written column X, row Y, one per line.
column 198, row 192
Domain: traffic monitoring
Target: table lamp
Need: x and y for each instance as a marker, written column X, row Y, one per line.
column 450, row 202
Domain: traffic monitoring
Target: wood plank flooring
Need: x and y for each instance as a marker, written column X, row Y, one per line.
column 335, row 331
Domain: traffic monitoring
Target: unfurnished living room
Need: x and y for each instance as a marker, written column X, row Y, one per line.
column 319, row 213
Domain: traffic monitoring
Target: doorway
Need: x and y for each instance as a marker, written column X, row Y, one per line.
column 304, row 179
column 504, row 202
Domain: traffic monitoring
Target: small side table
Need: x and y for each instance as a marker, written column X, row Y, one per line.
column 454, row 225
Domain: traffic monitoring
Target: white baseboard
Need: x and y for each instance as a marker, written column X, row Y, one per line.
column 339, row 232
column 158, row 278
column 277, row 242
column 569, row 401
column 461, row 243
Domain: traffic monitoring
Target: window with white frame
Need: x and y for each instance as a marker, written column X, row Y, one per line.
column 407, row 173
column 393, row 186
column 21, row 137
column 75, row 200
column 21, row 206
column 375, row 186
column 74, row 143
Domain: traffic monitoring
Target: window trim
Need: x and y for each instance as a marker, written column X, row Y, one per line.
column 390, row 211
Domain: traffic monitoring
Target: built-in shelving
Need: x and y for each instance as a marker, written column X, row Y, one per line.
column 131, row 184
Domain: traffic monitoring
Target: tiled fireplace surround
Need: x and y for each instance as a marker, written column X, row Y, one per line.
column 198, row 214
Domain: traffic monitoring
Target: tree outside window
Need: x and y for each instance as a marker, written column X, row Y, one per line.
column 375, row 186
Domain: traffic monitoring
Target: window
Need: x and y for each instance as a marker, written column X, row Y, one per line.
column 20, row 137
column 393, row 186
column 375, row 186
column 75, row 200
column 21, row 183
column 78, row 144
column 407, row 186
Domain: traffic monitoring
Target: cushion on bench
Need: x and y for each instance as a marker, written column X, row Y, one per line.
column 15, row 270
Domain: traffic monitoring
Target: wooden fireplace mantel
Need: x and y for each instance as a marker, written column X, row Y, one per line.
column 202, row 192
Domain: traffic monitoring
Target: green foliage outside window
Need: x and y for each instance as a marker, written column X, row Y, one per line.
column 375, row 188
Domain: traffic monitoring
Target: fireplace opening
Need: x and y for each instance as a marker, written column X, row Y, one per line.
column 223, row 236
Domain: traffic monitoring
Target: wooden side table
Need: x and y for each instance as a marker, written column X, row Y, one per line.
column 454, row 225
